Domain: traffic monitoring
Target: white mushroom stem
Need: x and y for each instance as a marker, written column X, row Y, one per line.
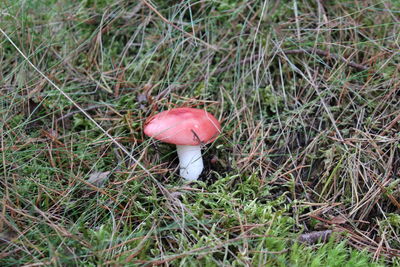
column 190, row 162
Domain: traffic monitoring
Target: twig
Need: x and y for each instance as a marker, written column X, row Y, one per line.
column 391, row 124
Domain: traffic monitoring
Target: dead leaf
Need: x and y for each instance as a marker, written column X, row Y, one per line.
column 314, row 237
column 340, row 219
column 98, row 178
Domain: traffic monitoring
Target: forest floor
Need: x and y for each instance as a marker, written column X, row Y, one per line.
column 306, row 169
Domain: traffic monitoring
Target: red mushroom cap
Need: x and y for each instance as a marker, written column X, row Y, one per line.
column 183, row 126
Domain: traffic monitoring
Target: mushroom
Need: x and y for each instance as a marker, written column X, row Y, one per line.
column 188, row 129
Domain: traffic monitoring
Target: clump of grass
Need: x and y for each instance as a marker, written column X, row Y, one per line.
column 307, row 93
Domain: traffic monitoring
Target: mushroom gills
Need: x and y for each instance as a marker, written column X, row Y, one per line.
column 190, row 161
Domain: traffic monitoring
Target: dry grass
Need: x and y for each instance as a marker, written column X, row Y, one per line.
column 308, row 96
